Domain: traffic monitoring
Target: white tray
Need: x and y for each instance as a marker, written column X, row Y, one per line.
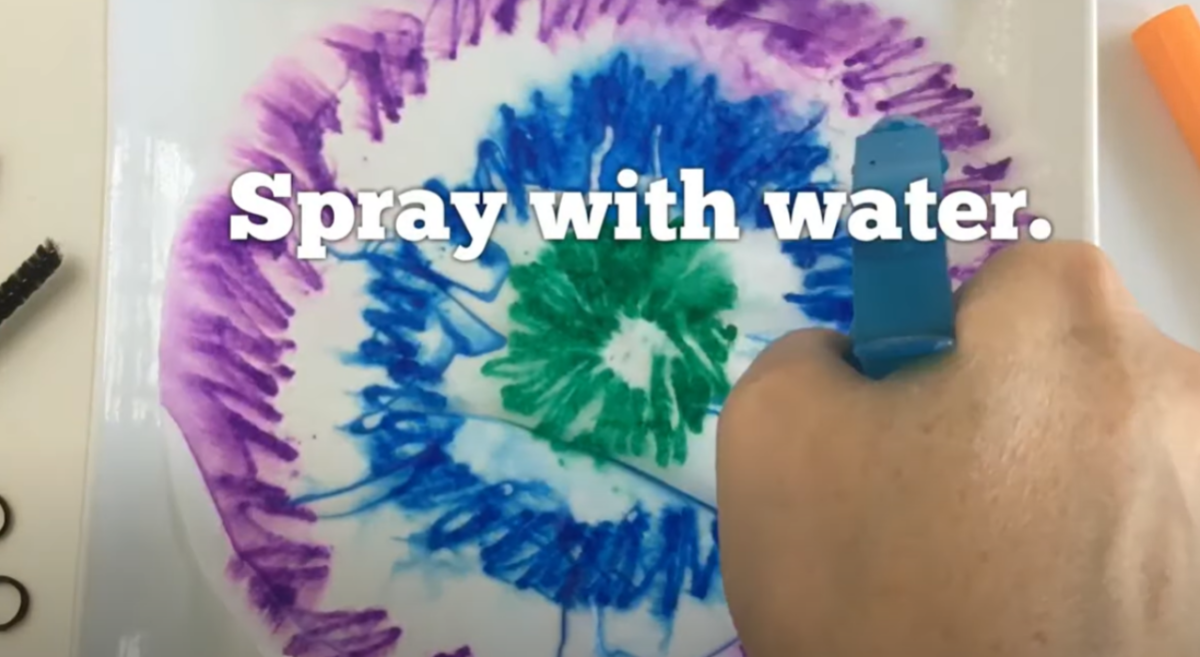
column 179, row 74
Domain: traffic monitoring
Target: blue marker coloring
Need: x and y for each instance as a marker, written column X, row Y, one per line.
column 903, row 305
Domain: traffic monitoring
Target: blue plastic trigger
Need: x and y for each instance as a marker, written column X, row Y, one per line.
column 903, row 303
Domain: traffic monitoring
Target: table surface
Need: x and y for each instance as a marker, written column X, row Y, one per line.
column 52, row 177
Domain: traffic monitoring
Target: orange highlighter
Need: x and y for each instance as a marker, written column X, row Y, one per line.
column 1169, row 45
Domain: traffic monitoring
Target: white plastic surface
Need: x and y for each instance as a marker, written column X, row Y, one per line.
column 178, row 72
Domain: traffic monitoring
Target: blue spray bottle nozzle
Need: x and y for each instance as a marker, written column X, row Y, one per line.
column 903, row 304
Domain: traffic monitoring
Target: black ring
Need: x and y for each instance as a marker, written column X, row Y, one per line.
column 22, row 603
column 6, row 523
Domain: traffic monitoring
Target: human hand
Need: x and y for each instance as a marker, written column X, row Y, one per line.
column 1032, row 493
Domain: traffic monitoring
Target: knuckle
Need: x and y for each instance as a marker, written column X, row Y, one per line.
column 1051, row 291
column 1082, row 267
column 1073, row 267
column 801, row 355
column 1074, row 277
column 755, row 394
column 1064, row 264
column 790, row 391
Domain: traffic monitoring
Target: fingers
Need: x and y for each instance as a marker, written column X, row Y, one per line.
column 1076, row 270
column 814, row 357
column 793, row 396
column 803, row 374
column 1043, row 289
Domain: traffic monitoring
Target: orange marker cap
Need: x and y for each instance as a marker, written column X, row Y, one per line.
column 1169, row 45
